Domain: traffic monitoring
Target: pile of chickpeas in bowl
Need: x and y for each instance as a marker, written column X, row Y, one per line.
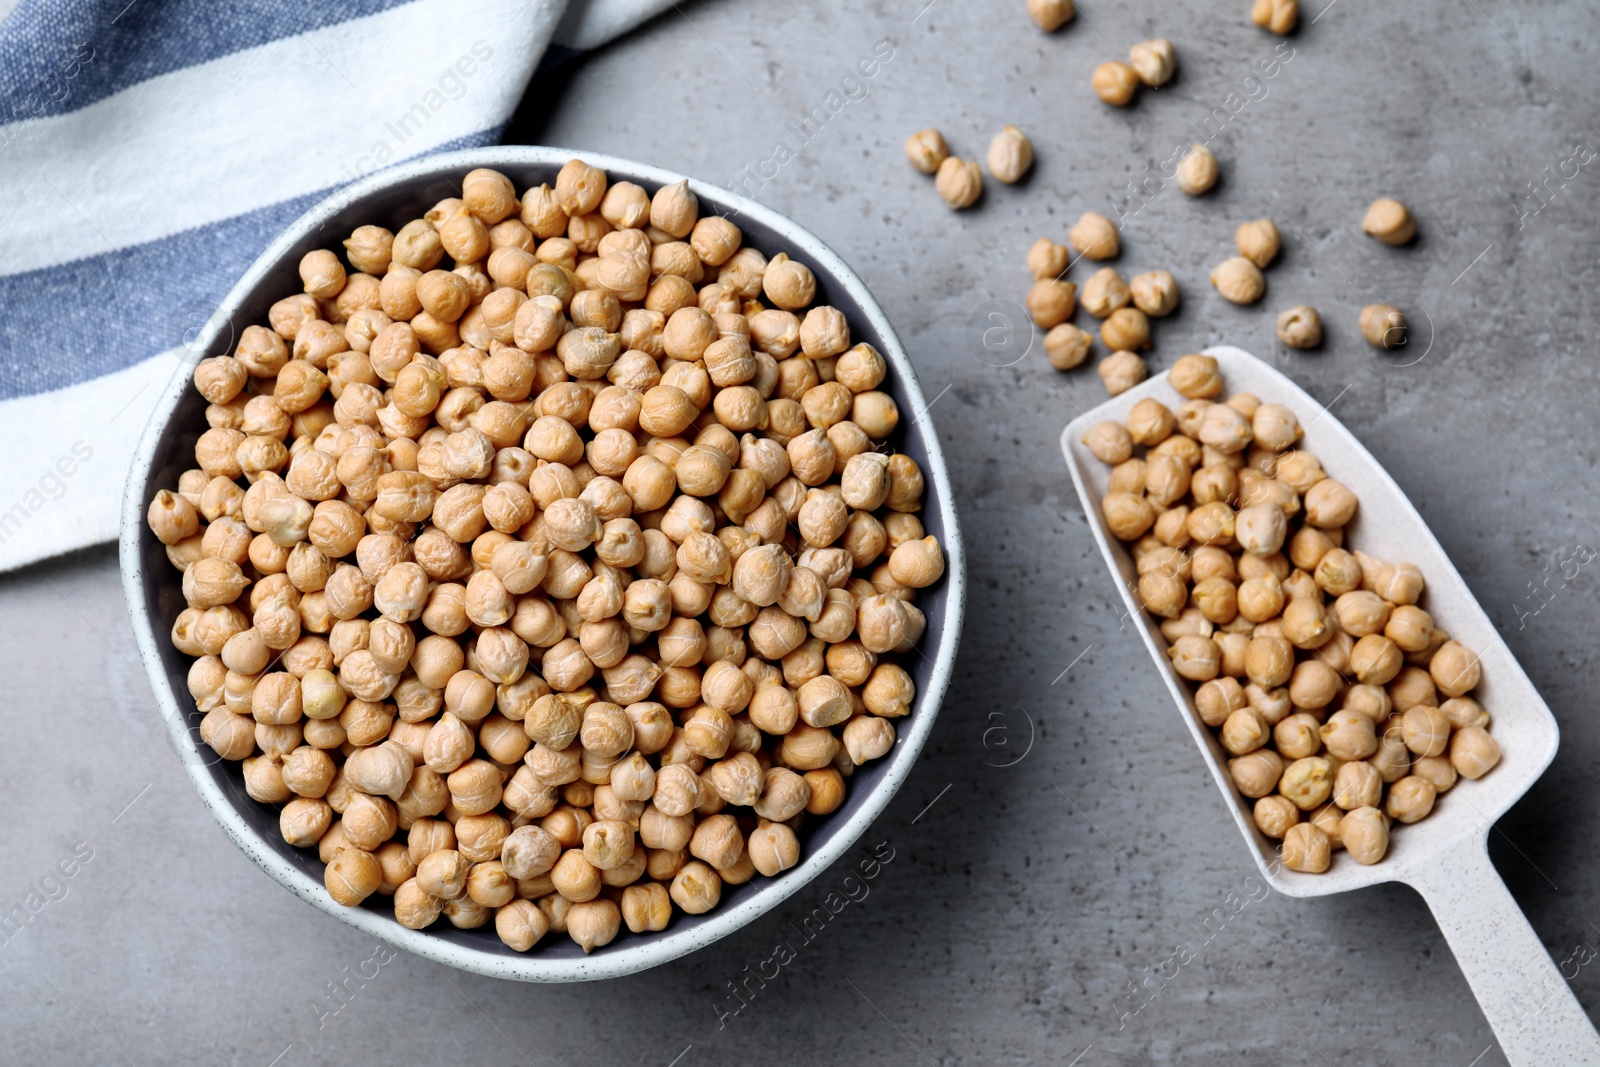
column 1343, row 707
column 547, row 561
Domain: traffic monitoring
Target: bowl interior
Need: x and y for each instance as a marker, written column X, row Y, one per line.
column 1387, row 526
column 155, row 596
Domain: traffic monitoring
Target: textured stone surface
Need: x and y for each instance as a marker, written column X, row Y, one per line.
column 1022, row 903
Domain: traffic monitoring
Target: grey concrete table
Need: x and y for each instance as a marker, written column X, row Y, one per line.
column 1027, row 894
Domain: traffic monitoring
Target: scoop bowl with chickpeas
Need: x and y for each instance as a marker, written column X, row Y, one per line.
column 539, row 566
column 1356, row 707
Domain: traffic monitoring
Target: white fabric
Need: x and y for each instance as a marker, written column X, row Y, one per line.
column 207, row 143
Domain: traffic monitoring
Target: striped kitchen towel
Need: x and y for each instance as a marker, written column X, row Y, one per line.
column 150, row 150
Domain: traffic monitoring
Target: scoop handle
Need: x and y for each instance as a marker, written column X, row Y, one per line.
column 1524, row 995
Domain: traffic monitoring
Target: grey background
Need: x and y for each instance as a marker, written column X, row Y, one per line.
column 1024, row 899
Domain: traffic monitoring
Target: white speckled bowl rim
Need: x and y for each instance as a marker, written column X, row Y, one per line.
column 555, row 959
column 1386, row 526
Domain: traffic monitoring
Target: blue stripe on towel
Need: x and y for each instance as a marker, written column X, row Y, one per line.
column 111, row 311
column 58, row 56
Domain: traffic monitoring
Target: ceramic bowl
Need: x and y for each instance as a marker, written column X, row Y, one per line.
column 154, row 597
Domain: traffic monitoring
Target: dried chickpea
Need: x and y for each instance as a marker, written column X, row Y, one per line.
column 1300, row 327
column 1365, row 834
column 1329, row 504
column 1104, row 293
column 959, row 181
column 1047, row 259
column 1239, row 280
column 593, row 924
column 773, row 848
column 646, row 907
column 1094, row 236
column 1383, row 326
column 1410, row 799
column 1463, row 712
column 1389, row 221
column 1154, row 60
column 1274, row 815
column 1051, row 15
column 520, row 924
column 1051, row 302
column 1277, row 16
column 352, row 876
column 1010, row 155
column 696, row 888
column 1195, row 658
column 1308, row 782
column 1244, row 730
column 1154, row 292
column 1125, row 330
column 1115, row 82
column 926, row 149
column 1473, row 752
column 1197, row 170
column 1110, row 442
column 1454, row 668
column 1258, row 241
column 1257, row 773
column 1196, row 377
column 1306, row 848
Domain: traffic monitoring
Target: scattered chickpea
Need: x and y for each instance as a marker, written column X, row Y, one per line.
column 1383, row 326
column 1125, row 330
column 1389, row 221
column 1066, row 346
column 1154, row 60
column 926, row 150
column 1275, row 16
column 1121, row 371
column 1239, row 280
column 1010, row 155
column 1104, row 293
column 1154, row 292
column 1300, row 327
column 1051, row 302
column 1047, row 259
column 1094, row 236
column 959, row 181
column 1115, row 82
column 1197, row 170
column 1258, row 241
column 1051, row 15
